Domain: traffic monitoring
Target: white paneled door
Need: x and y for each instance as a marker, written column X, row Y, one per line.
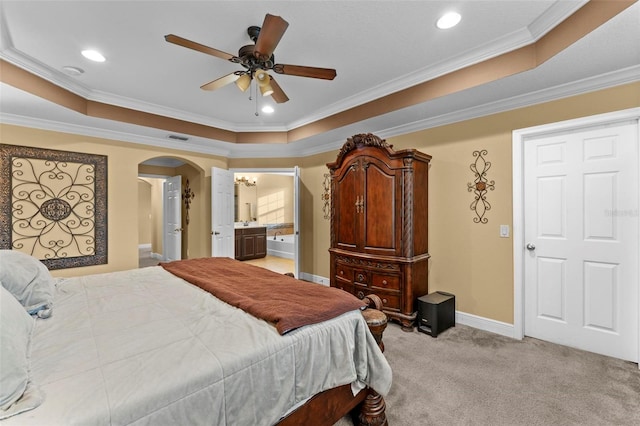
column 581, row 239
column 222, row 230
column 172, row 242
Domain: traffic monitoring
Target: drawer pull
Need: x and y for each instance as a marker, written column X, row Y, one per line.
column 341, row 272
column 384, row 301
column 360, row 295
column 361, row 277
column 384, row 282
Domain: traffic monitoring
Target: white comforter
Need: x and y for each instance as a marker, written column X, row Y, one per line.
column 145, row 347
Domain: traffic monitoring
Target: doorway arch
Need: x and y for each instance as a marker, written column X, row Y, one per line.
column 156, row 171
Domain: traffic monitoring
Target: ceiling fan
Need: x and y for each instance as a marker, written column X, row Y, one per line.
column 257, row 59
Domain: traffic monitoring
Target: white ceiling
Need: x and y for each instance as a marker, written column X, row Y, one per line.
column 377, row 48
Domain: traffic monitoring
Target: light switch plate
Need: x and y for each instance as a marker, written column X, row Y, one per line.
column 504, row 231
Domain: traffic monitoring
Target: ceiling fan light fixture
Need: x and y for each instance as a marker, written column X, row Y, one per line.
column 266, row 90
column 243, row 82
column 448, row 20
column 262, row 78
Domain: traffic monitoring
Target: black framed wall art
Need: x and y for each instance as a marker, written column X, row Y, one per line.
column 53, row 205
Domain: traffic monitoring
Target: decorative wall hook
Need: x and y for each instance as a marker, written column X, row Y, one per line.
column 480, row 186
column 188, row 196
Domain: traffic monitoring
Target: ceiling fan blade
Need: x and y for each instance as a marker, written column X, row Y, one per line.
column 278, row 94
column 313, row 72
column 171, row 38
column 271, row 32
column 222, row 81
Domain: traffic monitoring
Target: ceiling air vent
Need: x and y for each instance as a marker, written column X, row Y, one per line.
column 178, row 138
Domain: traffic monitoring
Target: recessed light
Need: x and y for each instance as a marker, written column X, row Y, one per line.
column 93, row 55
column 73, row 71
column 268, row 109
column 448, row 20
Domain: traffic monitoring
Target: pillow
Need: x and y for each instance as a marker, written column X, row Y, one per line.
column 15, row 334
column 28, row 280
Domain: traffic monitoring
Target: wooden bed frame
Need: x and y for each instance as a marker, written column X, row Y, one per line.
column 326, row 408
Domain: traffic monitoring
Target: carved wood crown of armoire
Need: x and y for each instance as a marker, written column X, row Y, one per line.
column 379, row 238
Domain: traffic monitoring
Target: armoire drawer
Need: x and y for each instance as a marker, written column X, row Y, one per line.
column 389, row 300
column 360, row 290
column 391, row 282
column 344, row 272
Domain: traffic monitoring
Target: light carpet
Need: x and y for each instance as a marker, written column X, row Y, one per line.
column 466, row 376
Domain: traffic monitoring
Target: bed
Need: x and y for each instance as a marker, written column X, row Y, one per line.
column 148, row 347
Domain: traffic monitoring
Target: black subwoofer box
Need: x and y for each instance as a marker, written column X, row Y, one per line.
column 436, row 312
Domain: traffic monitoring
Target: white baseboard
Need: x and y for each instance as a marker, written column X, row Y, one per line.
column 144, row 246
column 481, row 323
column 314, row 278
column 157, row 256
column 485, row 324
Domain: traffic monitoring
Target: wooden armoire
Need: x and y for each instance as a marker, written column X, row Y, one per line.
column 379, row 210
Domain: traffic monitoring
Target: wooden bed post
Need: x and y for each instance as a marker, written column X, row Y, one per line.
column 372, row 410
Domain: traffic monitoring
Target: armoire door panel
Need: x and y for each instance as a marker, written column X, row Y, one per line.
column 345, row 210
column 380, row 213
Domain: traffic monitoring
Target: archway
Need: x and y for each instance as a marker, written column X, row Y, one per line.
column 189, row 197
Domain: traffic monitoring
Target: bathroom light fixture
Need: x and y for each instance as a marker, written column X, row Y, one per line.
column 448, row 20
column 93, row 55
column 247, row 181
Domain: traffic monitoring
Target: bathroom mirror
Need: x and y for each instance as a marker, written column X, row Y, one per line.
column 245, row 200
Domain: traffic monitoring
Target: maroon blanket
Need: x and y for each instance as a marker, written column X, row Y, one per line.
column 287, row 302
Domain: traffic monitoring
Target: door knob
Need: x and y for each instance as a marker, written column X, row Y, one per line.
column 216, row 233
column 531, row 247
column 178, row 230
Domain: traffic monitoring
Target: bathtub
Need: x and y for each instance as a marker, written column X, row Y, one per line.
column 282, row 246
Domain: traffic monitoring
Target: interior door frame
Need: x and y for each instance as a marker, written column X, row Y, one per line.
column 294, row 172
column 519, row 138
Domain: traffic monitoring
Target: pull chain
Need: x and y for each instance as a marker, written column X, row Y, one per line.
column 256, row 85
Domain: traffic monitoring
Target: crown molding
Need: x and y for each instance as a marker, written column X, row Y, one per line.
column 193, row 145
column 574, row 88
column 557, row 13
column 304, row 148
column 544, row 23
column 35, row 67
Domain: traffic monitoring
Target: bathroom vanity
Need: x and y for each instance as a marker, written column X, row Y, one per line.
column 250, row 242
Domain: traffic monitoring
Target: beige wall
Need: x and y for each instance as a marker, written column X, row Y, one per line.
column 468, row 259
column 123, row 160
column 145, row 221
column 272, row 185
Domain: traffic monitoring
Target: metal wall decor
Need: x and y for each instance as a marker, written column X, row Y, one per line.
column 480, row 186
column 188, row 195
column 326, row 196
column 53, row 205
